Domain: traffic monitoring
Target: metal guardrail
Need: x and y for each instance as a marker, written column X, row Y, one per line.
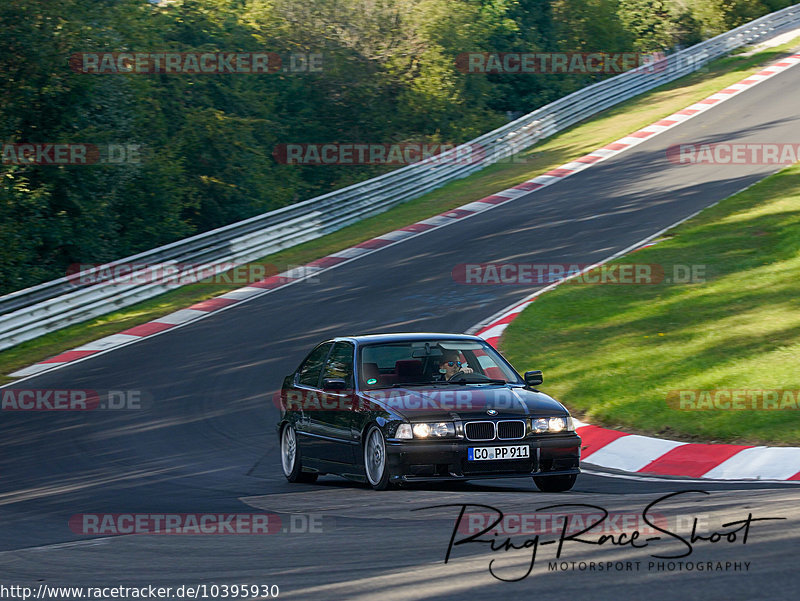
column 34, row 311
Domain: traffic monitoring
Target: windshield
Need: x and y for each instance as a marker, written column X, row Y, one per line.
column 432, row 361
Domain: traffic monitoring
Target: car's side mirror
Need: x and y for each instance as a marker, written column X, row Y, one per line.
column 534, row 378
column 333, row 384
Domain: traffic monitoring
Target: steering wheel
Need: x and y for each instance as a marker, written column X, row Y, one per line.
column 460, row 376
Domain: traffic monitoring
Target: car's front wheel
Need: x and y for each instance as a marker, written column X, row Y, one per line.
column 555, row 483
column 290, row 458
column 375, row 459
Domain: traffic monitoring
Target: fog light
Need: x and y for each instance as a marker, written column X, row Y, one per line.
column 539, row 425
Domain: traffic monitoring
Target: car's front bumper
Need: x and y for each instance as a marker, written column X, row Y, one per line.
column 416, row 460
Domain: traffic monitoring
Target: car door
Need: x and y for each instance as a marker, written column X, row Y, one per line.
column 306, row 397
column 335, row 420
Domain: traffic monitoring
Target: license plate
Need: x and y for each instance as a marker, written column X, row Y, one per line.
column 498, row 453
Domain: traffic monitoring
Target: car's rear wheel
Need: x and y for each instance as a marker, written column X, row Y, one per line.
column 375, row 459
column 290, row 458
column 555, row 483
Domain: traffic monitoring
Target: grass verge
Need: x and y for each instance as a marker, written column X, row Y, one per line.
column 582, row 138
column 614, row 353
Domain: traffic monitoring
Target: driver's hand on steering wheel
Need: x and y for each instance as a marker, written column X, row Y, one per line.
column 461, row 372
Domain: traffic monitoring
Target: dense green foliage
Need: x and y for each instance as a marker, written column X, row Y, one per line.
column 388, row 75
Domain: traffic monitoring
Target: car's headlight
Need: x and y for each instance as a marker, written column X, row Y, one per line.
column 552, row 424
column 434, row 430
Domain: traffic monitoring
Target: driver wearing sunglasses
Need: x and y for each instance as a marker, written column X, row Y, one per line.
column 451, row 365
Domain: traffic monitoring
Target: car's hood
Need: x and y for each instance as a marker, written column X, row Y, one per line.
column 465, row 402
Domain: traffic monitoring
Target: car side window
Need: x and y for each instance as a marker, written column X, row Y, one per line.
column 309, row 372
column 340, row 363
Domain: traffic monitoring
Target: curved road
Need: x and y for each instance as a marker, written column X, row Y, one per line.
column 205, row 440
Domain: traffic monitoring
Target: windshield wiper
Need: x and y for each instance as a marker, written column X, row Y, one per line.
column 465, row 382
column 446, row 382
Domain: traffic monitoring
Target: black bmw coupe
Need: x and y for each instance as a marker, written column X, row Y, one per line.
column 394, row 408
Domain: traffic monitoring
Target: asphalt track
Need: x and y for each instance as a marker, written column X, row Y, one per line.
column 205, row 442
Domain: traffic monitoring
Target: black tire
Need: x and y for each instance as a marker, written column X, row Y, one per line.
column 555, row 483
column 375, row 459
column 290, row 461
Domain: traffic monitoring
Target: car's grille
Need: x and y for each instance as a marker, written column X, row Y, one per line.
column 503, row 430
column 479, row 430
column 510, row 430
